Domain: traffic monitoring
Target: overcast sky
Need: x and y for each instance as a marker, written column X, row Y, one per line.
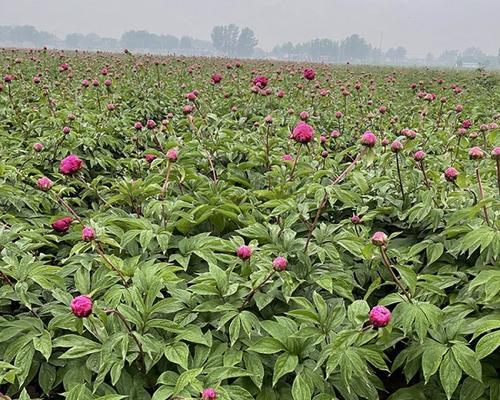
column 419, row 25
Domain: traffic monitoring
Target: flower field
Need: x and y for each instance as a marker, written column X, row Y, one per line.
column 186, row 228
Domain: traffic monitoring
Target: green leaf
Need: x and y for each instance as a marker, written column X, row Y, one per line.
column 434, row 251
column 450, row 374
column 267, row 345
column 43, row 344
column 431, row 359
column 467, row 360
column 178, row 353
column 488, row 344
column 301, row 389
column 186, row 378
column 285, row 363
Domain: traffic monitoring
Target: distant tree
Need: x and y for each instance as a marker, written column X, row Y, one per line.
column 396, row 55
column 355, row 47
column 246, row 43
column 186, row 42
column 449, row 57
column 473, row 54
column 225, row 38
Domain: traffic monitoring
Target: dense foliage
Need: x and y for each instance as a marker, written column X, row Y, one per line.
column 171, row 230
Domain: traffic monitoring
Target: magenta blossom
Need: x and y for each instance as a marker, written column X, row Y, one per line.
column 44, row 184
column 38, row 147
column 209, row 394
column 216, row 78
column 450, row 174
column 81, row 306
column 286, row 157
column 280, row 263
column 380, row 316
column 62, row 225
column 70, row 164
column 476, row 153
column 380, row 239
column 309, row 74
column 260, row 81
column 419, row 155
column 88, row 234
column 244, row 252
column 368, row 139
column 495, row 153
column 172, row 155
column 303, row 133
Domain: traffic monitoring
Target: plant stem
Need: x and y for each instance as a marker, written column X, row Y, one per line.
column 400, row 179
column 387, row 263
column 481, row 195
column 165, row 184
column 295, row 162
column 254, row 290
column 131, row 333
column 324, row 201
column 498, row 175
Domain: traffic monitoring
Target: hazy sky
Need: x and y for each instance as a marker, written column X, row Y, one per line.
column 419, row 25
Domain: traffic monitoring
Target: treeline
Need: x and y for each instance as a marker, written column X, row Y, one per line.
column 133, row 40
column 231, row 40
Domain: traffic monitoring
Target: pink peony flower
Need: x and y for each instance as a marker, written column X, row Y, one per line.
column 44, row 184
column 379, row 239
column 81, row 306
column 260, row 81
column 209, row 394
column 380, row 316
column 324, row 154
column 396, row 146
column 38, row 147
column 309, row 74
column 66, row 130
column 368, row 139
column 85, row 83
column 476, row 153
column 107, row 83
column 70, row 164
column 303, row 133
column 191, row 96
column 335, row 134
column 459, row 108
column 450, row 174
column 62, row 225
column 88, row 234
column 466, row 124
column 150, row 124
column 304, row 116
column 216, row 78
column 172, row 155
column 287, row 157
column 149, row 157
column 244, row 252
column 280, row 263
column 355, row 219
column 280, row 94
column 138, row 126
column 419, row 155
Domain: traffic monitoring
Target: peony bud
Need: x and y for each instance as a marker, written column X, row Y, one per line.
column 280, row 263
column 88, row 234
column 380, row 316
column 380, row 239
column 81, row 306
column 450, row 174
column 244, row 252
column 44, row 184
